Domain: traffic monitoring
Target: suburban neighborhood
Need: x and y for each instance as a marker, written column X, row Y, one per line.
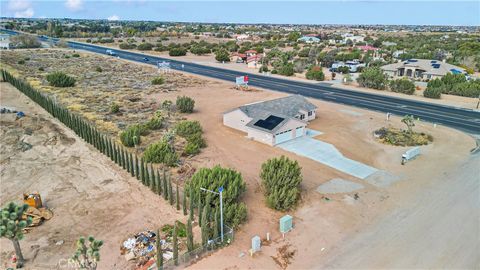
column 157, row 135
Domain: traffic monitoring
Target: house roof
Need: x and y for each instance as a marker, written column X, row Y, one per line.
column 251, row 51
column 271, row 115
column 254, row 58
column 430, row 67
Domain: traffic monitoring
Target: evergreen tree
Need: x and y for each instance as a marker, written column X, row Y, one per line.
column 142, row 171
column 189, row 235
column 147, row 176
column 160, row 191
column 165, row 185
column 204, row 228
column 175, row 244
column 152, row 179
column 200, row 209
column 216, row 226
column 184, row 202
column 191, row 205
column 159, row 252
column 170, row 190
column 137, row 172
column 132, row 167
column 177, row 197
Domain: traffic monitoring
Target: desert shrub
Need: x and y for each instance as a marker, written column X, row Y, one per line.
column 21, row 62
column 180, row 51
column 60, row 79
column 114, row 108
column 161, row 152
column 145, row 47
column 25, row 41
column 315, row 73
column 185, row 104
column 41, row 69
column 194, row 144
column 222, row 55
column 76, row 55
column 343, row 70
column 188, row 128
column 66, row 56
column 181, row 229
column 235, row 212
column 98, row 69
column 402, row 86
column 281, row 178
column 158, row 81
column 155, row 122
column 286, row 69
column 263, row 68
column 432, row 93
column 402, row 137
column 127, row 46
column 131, row 136
column 191, row 148
column 274, row 71
column 199, row 50
column 372, row 77
column 89, row 40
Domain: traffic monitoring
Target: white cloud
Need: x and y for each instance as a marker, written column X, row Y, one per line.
column 21, row 8
column 113, row 18
column 74, row 5
column 27, row 13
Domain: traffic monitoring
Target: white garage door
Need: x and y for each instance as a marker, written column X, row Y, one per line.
column 283, row 137
column 299, row 132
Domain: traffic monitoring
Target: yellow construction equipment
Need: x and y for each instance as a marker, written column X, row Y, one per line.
column 36, row 210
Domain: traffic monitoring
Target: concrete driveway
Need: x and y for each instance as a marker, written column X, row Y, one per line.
column 327, row 154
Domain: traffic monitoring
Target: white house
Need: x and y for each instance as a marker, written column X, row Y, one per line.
column 274, row 121
column 421, row 69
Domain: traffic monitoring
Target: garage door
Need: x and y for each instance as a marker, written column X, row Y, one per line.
column 299, row 132
column 283, row 137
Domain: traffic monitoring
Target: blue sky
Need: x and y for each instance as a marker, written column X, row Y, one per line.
column 295, row 12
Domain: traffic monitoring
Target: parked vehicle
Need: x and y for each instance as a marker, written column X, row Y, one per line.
column 146, row 59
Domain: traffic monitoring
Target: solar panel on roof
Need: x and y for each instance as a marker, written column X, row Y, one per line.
column 433, row 61
column 436, row 65
column 412, row 60
column 270, row 123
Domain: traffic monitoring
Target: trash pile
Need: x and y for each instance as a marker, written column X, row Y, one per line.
column 142, row 248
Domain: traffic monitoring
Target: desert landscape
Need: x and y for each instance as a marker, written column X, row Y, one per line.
column 89, row 194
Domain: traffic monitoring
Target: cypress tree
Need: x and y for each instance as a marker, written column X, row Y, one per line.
column 152, row 179
column 177, row 197
column 159, row 252
column 200, row 209
column 189, row 235
column 132, row 167
column 170, row 190
column 204, row 227
column 122, row 157
column 159, row 184
column 191, row 203
column 142, row 173
column 184, row 203
column 147, row 176
column 127, row 161
column 175, row 244
column 216, row 226
column 137, row 173
column 165, row 185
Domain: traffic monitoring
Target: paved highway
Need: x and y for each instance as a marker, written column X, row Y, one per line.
column 462, row 119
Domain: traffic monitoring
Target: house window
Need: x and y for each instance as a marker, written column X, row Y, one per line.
column 302, row 116
column 310, row 113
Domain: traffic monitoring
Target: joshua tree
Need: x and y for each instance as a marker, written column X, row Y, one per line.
column 87, row 255
column 11, row 226
column 409, row 121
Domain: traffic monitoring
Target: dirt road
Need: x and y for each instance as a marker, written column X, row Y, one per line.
column 439, row 228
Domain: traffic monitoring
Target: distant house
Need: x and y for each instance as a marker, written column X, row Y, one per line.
column 238, row 57
column 273, row 121
column 250, row 53
column 254, row 61
column 354, row 39
column 396, row 54
column 367, row 48
column 309, row 39
column 353, row 66
column 5, row 41
column 421, row 69
column 242, row 37
column 389, row 44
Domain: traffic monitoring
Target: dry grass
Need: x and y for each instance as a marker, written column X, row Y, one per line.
column 401, row 137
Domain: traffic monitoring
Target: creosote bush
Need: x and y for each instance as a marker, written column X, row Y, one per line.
column 158, row 81
column 161, row 152
column 60, row 79
column 188, row 128
column 185, row 104
column 281, row 178
column 115, row 108
column 131, row 136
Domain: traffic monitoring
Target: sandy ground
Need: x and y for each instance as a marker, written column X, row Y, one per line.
column 322, row 223
column 88, row 194
column 209, row 60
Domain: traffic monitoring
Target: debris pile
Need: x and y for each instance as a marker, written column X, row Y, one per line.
column 142, row 248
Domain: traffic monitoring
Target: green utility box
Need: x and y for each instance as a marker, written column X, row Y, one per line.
column 286, row 223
